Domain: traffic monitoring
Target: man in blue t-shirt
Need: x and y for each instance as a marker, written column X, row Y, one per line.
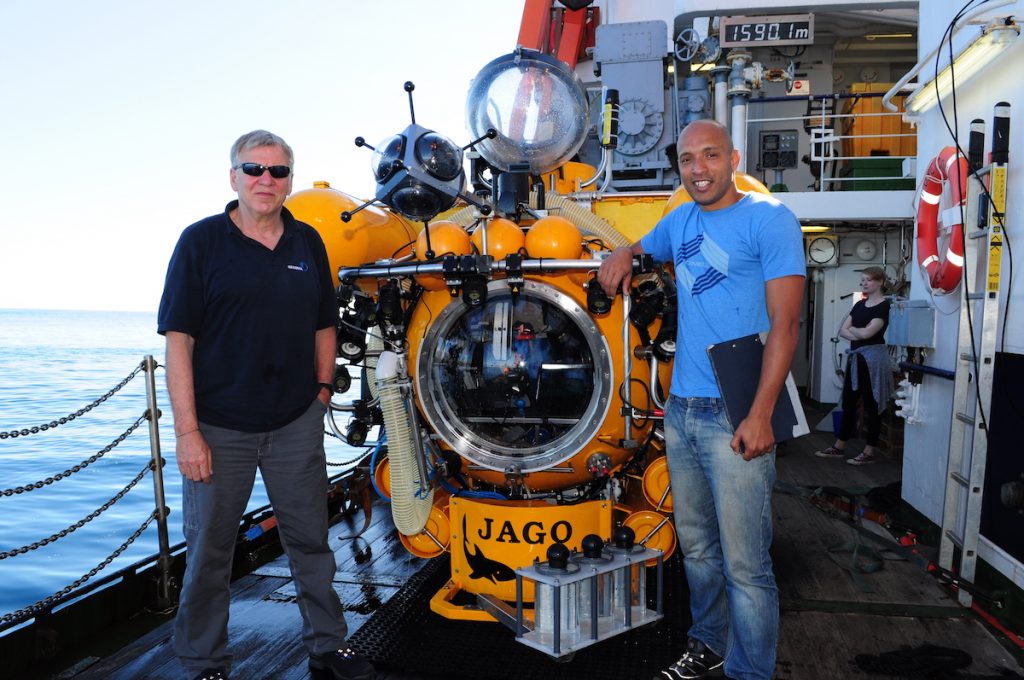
column 250, row 317
column 740, row 270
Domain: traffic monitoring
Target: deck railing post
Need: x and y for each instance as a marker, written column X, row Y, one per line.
column 164, row 598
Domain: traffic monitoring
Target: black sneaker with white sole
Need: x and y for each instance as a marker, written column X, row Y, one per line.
column 698, row 662
column 212, row 674
column 344, row 664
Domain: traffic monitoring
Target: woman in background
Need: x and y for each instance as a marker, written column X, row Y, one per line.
column 868, row 373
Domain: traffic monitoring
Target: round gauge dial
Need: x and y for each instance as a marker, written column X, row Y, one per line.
column 866, row 250
column 821, row 249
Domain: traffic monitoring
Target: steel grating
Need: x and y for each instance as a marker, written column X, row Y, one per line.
column 405, row 635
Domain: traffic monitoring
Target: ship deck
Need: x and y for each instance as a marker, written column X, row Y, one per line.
column 828, row 617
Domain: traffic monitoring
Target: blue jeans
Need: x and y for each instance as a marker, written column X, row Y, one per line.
column 723, row 518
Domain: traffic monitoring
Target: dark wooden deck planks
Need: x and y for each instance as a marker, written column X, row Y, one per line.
column 824, row 644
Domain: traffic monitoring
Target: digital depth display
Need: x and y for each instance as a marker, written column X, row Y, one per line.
column 791, row 29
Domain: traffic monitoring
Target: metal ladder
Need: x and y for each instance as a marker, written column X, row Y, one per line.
column 979, row 319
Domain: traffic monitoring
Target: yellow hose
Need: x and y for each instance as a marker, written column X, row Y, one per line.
column 409, row 511
column 588, row 222
column 374, row 345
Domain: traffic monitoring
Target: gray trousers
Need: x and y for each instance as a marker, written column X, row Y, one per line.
column 292, row 463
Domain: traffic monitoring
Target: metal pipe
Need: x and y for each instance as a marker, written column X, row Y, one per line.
column 930, row 370
column 153, row 416
column 627, row 370
column 390, row 270
column 605, row 157
column 816, row 97
column 654, row 384
column 739, row 129
column 721, row 74
column 417, row 441
column 739, row 93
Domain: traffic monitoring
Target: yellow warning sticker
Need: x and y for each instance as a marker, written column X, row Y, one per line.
column 995, row 262
column 997, row 210
column 998, row 190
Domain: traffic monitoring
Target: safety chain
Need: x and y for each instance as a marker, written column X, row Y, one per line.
column 81, row 466
column 45, row 603
column 68, row 418
column 82, row 522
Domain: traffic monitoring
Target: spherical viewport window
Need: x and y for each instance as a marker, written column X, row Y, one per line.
column 517, row 380
column 536, row 104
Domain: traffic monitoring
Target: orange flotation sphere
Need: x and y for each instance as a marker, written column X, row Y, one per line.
column 446, row 238
column 744, row 182
column 371, row 235
column 554, row 237
column 503, row 237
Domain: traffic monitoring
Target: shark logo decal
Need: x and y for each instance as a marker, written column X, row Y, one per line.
column 481, row 565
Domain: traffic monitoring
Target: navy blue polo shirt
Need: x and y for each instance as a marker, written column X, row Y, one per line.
column 254, row 313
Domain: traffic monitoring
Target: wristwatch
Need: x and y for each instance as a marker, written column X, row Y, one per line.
column 327, row 386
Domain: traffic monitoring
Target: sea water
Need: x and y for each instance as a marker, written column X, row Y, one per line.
column 53, row 363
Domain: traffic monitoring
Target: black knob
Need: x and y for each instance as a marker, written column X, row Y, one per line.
column 592, row 546
column 624, row 538
column 558, row 556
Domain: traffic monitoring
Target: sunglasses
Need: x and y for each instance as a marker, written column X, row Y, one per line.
column 257, row 170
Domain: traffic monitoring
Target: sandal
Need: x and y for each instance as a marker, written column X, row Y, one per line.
column 863, row 458
column 830, row 452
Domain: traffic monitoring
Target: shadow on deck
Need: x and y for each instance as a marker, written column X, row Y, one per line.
column 828, row 616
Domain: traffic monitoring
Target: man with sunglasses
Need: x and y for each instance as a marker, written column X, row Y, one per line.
column 250, row 316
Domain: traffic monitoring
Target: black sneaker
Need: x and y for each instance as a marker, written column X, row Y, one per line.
column 212, row 674
column 697, row 662
column 344, row 664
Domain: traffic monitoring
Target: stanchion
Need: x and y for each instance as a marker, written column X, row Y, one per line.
column 164, row 597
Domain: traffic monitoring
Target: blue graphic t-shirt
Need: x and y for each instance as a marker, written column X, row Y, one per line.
column 722, row 260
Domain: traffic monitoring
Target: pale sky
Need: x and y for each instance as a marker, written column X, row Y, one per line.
column 117, row 117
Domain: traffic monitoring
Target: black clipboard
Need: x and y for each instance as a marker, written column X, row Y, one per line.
column 737, row 367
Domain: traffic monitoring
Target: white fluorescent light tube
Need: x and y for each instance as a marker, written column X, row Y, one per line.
column 992, row 41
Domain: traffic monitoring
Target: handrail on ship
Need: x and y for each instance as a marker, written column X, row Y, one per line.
column 168, row 556
column 827, row 132
column 160, row 513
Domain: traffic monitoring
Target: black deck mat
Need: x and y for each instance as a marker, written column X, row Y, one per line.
column 404, row 635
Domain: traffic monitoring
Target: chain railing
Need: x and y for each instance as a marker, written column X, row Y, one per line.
column 76, row 468
column 36, row 429
column 47, row 602
column 160, row 513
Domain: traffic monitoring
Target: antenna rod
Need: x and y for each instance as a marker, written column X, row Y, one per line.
column 490, row 134
column 409, row 87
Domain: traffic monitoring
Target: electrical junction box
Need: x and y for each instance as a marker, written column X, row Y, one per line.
column 911, row 324
column 779, row 149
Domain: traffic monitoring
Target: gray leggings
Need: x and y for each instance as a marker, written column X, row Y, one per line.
column 291, row 461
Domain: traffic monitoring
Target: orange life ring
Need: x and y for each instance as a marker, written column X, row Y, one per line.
column 942, row 274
